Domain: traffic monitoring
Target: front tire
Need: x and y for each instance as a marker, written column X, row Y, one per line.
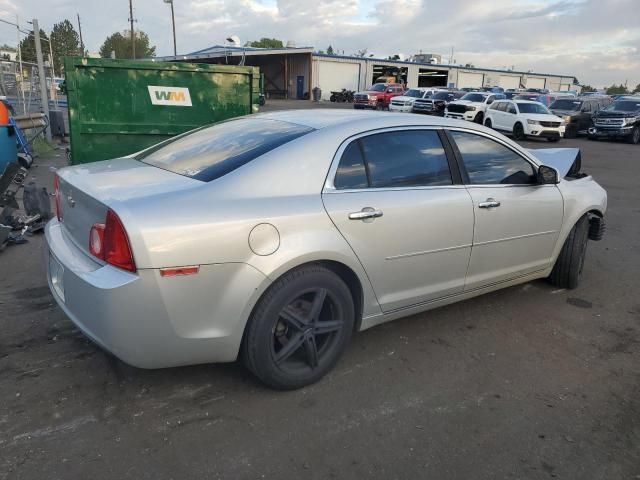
column 634, row 138
column 479, row 118
column 567, row 271
column 487, row 123
column 518, row 131
column 299, row 328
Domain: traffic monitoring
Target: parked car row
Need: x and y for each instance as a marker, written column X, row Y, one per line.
column 523, row 113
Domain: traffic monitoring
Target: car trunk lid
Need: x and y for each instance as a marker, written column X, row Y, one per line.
column 87, row 191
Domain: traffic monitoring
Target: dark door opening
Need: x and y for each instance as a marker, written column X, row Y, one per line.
column 300, row 87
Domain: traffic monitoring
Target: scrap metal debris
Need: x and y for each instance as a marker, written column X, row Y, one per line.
column 13, row 225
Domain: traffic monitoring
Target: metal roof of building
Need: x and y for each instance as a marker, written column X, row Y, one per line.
column 225, row 50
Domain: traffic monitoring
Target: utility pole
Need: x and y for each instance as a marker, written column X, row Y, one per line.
column 80, row 31
column 133, row 39
column 44, row 98
column 173, row 24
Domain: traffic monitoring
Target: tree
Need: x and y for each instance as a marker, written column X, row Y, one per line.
column 361, row 53
column 588, row 88
column 65, row 42
column 617, row 89
column 267, row 43
column 28, row 46
column 394, row 57
column 330, row 50
column 637, row 89
column 121, row 44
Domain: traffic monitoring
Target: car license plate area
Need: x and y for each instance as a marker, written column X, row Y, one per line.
column 56, row 275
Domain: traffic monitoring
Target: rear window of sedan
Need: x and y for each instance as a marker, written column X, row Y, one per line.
column 211, row 152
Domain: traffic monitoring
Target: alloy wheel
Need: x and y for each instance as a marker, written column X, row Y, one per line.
column 305, row 332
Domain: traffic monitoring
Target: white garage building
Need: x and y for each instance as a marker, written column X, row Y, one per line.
column 295, row 72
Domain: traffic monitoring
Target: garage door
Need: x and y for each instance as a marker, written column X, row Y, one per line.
column 468, row 79
column 334, row 76
column 509, row 81
column 536, row 82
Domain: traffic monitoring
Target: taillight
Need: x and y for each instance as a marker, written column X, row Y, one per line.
column 56, row 194
column 109, row 242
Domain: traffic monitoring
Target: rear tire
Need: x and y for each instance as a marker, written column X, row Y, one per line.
column 634, row 138
column 567, row 271
column 299, row 328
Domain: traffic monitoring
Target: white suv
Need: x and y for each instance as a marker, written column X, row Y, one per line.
column 404, row 103
column 524, row 118
column 471, row 107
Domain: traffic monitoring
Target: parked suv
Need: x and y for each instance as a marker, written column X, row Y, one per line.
column 621, row 119
column 577, row 112
column 524, row 118
column 471, row 106
column 404, row 103
column 436, row 103
column 377, row 96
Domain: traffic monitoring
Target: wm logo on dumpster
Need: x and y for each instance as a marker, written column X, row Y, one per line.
column 172, row 96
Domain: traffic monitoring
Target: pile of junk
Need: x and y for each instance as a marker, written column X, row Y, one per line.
column 17, row 223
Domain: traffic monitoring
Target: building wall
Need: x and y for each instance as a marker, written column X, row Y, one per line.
column 490, row 77
column 298, row 65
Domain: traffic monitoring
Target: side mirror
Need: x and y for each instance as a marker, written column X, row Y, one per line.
column 547, row 175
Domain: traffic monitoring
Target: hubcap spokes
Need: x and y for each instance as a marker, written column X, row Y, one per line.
column 305, row 328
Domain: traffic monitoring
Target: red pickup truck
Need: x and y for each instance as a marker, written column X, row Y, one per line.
column 377, row 96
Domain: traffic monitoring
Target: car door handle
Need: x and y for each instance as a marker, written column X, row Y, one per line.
column 365, row 213
column 489, row 203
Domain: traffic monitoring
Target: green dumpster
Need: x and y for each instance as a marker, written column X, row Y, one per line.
column 118, row 107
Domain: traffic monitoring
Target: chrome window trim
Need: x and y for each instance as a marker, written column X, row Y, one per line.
column 329, row 185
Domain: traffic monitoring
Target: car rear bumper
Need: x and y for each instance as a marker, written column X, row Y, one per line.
column 150, row 321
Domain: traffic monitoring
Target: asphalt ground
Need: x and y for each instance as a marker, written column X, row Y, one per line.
column 529, row 382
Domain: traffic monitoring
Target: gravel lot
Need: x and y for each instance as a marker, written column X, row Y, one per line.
column 524, row 383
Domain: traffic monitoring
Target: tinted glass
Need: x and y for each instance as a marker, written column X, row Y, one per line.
column 512, row 109
column 413, row 93
column 566, row 104
column 351, row 172
column 474, row 97
column 377, row 87
column 624, row 105
column 442, row 95
column 532, row 108
column 488, row 162
column 405, row 159
column 211, row 152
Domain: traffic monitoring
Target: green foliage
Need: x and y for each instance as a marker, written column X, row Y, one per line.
column 637, row 89
column 121, row 44
column 65, row 42
column 588, row 88
column 330, row 50
column 267, row 43
column 617, row 89
column 28, row 46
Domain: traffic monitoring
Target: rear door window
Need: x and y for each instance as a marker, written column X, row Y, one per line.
column 488, row 162
column 211, row 152
column 394, row 159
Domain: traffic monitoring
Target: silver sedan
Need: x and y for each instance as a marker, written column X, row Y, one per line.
column 275, row 236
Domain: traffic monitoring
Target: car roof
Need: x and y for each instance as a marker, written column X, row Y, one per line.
column 521, row 101
column 319, row 118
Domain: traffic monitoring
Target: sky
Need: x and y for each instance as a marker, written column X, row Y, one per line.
column 598, row 41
